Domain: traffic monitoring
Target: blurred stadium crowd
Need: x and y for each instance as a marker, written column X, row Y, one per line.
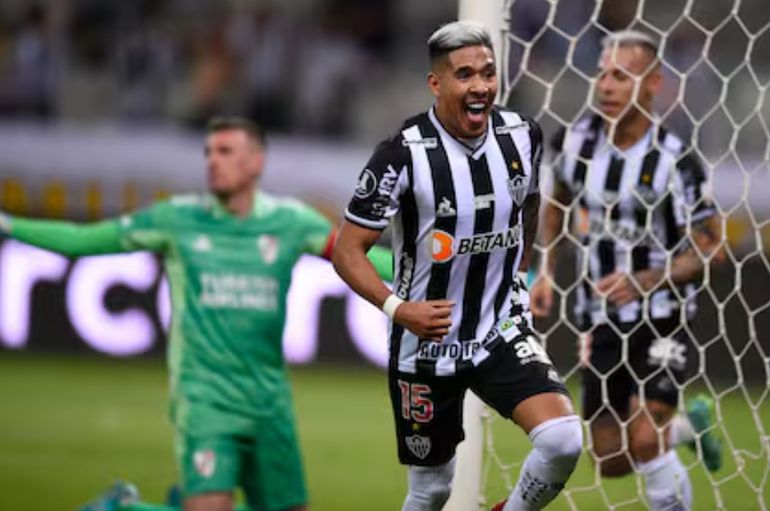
column 347, row 67
column 296, row 66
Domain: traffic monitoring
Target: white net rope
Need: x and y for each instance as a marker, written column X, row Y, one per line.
column 716, row 61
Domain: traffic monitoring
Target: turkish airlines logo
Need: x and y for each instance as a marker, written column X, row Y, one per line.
column 444, row 246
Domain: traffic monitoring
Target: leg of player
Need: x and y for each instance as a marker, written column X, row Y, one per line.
column 667, row 481
column 607, row 446
column 557, row 439
column 429, row 487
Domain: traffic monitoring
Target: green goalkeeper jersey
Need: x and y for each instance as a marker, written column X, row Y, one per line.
column 229, row 278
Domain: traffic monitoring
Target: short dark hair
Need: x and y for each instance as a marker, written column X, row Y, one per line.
column 227, row 123
column 456, row 35
column 626, row 38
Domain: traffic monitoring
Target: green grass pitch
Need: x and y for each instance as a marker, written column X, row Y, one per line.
column 70, row 426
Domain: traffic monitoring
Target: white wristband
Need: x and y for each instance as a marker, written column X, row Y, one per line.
column 390, row 305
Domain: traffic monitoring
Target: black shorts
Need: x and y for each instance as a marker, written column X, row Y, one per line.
column 428, row 410
column 657, row 361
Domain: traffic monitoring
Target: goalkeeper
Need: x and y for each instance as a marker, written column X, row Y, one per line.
column 634, row 191
column 229, row 256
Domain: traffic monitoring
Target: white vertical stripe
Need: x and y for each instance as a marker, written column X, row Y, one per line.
column 463, row 188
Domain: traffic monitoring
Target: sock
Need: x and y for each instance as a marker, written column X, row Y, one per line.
column 681, row 431
column 429, row 487
column 668, row 484
column 556, row 447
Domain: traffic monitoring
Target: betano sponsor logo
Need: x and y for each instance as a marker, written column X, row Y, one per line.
column 444, row 246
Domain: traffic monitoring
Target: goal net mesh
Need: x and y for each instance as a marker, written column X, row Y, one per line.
column 716, row 64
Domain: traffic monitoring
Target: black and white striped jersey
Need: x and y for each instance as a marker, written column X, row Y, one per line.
column 630, row 211
column 456, row 226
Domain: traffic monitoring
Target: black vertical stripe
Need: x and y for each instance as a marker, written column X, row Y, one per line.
column 477, row 267
column 587, row 151
column 640, row 258
column 671, row 228
column 692, row 176
column 409, row 224
column 443, row 190
column 606, row 251
column 612, row 184
column 587, row 294
column 614, row 174
column 535, row 149
column 512, row 159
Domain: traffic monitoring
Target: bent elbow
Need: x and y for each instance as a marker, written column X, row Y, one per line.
column 338, row 258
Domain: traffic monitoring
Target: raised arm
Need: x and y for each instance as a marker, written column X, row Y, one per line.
column 66, row 238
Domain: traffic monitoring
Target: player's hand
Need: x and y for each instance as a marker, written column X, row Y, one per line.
column 541, row 297
column 618, row 288
column 427, row 320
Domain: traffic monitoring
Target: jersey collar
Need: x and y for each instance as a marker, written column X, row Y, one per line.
column 262, row 206
column 474, row 152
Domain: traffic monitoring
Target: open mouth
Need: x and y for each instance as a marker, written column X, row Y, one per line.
column 476, row 111
column 609, row 107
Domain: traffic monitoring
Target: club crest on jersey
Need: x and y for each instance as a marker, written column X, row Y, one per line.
column 202, row 243
column 419, row 445
column 367, row 184
column 517, row 187
column 268, row 248
column 205, row 462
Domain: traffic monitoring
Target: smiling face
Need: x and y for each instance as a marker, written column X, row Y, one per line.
column 464, row 82
column 629, row 78
column 233, row 161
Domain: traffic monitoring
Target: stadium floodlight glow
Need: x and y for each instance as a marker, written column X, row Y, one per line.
column 122, row 333
column 312, row 282
column 132, row 331
column 21, row 268
column 163, row 301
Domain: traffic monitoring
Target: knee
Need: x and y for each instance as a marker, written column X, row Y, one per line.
column 615, row 466
column 608, row 453
column 427, row 499
column 560, row 440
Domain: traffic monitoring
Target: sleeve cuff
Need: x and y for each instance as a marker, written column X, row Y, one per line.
column 362, row 222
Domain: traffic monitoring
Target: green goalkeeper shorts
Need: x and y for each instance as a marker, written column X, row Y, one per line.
column 267, row 466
